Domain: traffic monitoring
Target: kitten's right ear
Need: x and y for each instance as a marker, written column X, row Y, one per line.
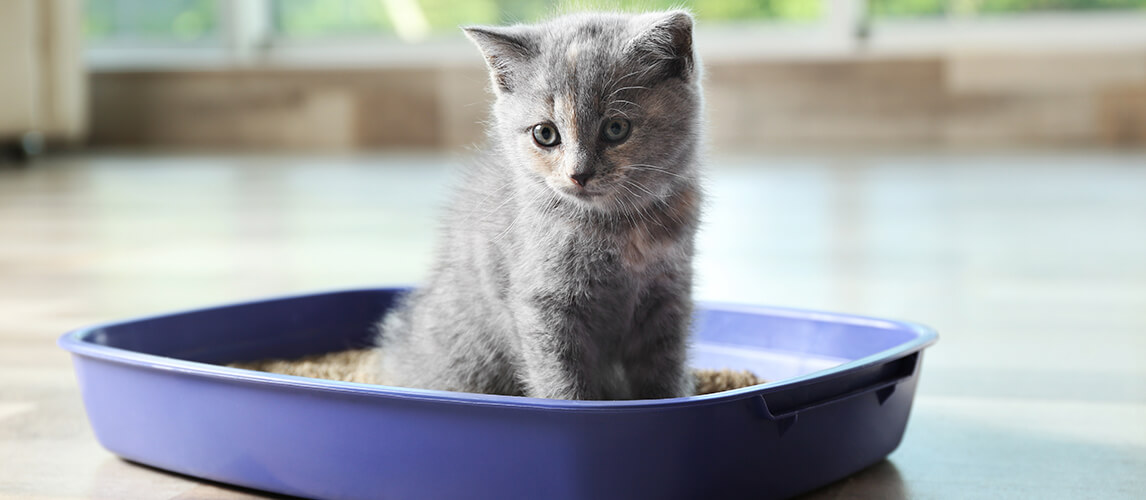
column 665, row 41
column 505, row 50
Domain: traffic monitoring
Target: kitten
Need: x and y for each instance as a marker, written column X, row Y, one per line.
column 564, row 268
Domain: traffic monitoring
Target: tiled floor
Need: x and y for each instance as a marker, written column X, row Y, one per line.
column 1032, row 266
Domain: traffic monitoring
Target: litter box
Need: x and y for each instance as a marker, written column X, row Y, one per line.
column 156, row 393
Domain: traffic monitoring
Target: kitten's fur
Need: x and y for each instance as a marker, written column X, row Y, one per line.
column 546, row 288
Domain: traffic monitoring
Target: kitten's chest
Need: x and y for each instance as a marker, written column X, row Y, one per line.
column 641, row 249
column 620, row 255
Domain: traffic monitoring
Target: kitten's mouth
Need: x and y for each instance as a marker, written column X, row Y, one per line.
column 594, row 194
column 581, row 193
column 583, row 196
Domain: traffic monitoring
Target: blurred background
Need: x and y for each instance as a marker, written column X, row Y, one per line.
column 352, row 75
column 975, row 165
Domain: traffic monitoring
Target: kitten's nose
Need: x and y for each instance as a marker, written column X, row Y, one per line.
column 581, row 179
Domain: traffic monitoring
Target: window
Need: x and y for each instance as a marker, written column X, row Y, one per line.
column 413, row 20
column 977, row 8
column 149, row 33
column 198, row 21
column 1047, row 25
column 138, row 22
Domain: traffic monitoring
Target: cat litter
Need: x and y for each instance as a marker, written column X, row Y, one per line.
column 157, row 392
column 360, row 365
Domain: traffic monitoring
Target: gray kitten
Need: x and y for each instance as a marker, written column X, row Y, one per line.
column 564, row 270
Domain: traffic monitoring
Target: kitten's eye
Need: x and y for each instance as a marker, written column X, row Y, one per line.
column 545, row 134
column 616, row 130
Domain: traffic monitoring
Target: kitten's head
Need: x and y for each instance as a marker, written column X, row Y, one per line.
column 602, row 108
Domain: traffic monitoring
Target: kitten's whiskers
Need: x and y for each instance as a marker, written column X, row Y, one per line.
column 613, row 93
column 653, row 168
column 631, row 215
column 622, row 113
column 655, row 199
column 617, row 81
column 631, row 103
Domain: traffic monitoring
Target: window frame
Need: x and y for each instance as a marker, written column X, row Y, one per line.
column 248, row 40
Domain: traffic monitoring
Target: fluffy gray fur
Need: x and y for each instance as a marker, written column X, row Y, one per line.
column 545, row 287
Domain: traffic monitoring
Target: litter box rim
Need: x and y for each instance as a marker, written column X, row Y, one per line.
column 76, row 341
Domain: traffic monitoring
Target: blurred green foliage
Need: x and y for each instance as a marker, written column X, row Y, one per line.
column 353, row 17
column 197, row 20
column 179, row 20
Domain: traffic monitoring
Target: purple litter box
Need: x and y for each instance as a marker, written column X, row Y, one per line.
column 156, row 394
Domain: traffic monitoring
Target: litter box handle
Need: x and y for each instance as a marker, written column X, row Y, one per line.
column 784, row 406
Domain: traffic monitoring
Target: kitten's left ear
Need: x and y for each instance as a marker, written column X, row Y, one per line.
column 506, row 49
column 666, row 40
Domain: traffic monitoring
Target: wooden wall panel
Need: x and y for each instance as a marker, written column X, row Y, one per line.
column 965, row 99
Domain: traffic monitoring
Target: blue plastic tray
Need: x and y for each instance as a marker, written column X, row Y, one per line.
column 155, row 394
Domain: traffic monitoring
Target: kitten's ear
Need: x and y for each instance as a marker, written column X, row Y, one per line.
column 665, row 39
column 505, row 50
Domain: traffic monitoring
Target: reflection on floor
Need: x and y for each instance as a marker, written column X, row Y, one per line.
column 1032, row 266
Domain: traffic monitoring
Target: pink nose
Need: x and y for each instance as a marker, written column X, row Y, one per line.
column 581, row 179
